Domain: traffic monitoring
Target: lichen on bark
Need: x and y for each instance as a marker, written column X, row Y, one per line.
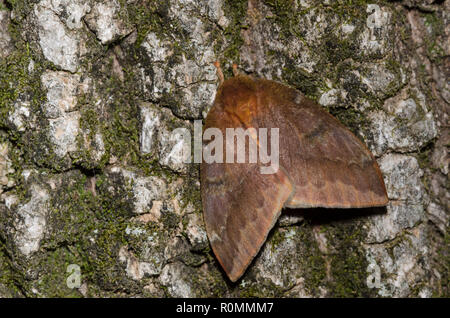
column 90, row 91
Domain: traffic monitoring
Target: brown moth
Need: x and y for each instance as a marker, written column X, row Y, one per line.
column 321, row 164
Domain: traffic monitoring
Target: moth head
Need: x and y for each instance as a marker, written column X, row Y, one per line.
column 238, row 93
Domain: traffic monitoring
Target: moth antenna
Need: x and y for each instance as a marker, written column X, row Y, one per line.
column 235, row 69
column 219, row 71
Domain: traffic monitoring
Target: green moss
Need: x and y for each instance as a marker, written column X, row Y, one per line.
column 348, row 266
column 90, row 231
column 21, row 8
column 53, row 275
column 17, row 85
column 434, row 23
column 424, row 159
column 89, row 122
column 350, row 82
column 191, row 193
column 397, row 83
column 169, row 219
column 149, row 16
column 302, row 80
column 351, row 118
column 313, row 261
column 40, row 149
column 444, row 261
column 217, row 284
column 353, row 7
column 11, row 279
column 229, row 48
column 121, row 131
column 276, row 238
column 261, row 289
column 305, row 259
column 336, row 49
column 286, row 16
column 121, row 127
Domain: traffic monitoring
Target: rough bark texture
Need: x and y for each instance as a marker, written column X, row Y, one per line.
column 89, row 175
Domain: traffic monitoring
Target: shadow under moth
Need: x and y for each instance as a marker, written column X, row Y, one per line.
column 321, row 164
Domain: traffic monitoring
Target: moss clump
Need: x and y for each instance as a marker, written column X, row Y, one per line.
column 169, row 219
column 312, row 259
column 21, row 84
column 304, row 259
column 305, row 82
column 285, row 15
column 351, row 118
column 149, row 16
column 17, row 84
column 444, row 255
column 341, row 271
column 12, row 280
column 120, row 124
column 424, row 159
column 397, row 83
column 336, row 49
column 436, row 29
column 441, row 261
column 53, row 274
column 260, row 289
column 89, row 122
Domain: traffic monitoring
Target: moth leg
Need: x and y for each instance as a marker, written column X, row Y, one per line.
column 235, row 69
column 219, row 71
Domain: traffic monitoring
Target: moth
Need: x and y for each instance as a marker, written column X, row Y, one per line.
column 321, row 164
